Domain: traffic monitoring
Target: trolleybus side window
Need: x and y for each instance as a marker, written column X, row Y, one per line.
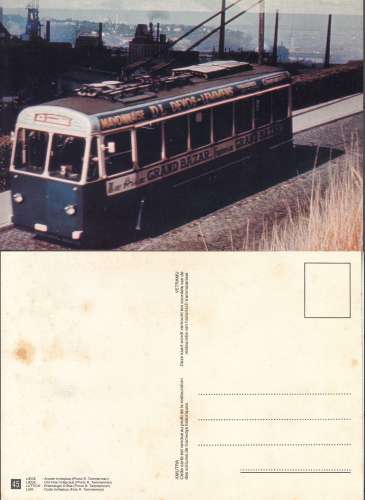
column 280, row 103
column 200, row 126
column 149, row 140
column 263, row 110
column 93, row 166
column 243, row 115
column 31, row 150
column 120, row 160
column 67, row 156
column 176, row 136
column 223, row 121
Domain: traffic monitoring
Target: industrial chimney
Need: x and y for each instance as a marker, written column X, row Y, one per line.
column 261, row 32
column 222, row 31
column 48, row 31
column 1, row 15
column 100, row 34
column 275, row 46
column 327, row 57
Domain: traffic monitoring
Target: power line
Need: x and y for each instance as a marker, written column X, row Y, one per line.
column 204, row 22
column 227, row 22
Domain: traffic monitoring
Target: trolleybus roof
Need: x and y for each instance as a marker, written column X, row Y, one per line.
column 102, row 113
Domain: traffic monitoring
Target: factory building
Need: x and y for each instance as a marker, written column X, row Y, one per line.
column 33, row 27
column 147, row 43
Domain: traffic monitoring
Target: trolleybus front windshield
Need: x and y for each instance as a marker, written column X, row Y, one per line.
column 67, row 157
column 31, row 150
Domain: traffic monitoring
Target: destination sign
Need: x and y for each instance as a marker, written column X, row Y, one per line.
column 53, row 119
column 183, row 163
column 185, row 103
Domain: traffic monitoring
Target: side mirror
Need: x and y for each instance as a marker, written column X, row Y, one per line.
column 110, row 148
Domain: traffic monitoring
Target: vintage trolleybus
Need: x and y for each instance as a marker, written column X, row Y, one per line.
column 79, row 162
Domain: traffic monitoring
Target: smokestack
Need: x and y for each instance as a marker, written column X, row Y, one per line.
column 261, row 32
column 328, row 44
column 1, row 15
column 48, row 31
column 100, row 34
column 222, row 31
column 158, row 32
column 275, row 46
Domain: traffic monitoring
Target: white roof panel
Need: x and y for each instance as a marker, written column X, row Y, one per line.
column 213, row 67
column 62, row 120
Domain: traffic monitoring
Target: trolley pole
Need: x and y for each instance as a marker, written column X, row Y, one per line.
column 328, row 44
column 222, row 31
column 261, row 32
column 275, row 46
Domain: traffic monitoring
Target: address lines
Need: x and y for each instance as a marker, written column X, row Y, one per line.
column 340, row 394
column 279, row 419
column 295, row 471
column 276, row 419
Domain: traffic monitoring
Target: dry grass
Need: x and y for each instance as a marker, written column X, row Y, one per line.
column 328, row 218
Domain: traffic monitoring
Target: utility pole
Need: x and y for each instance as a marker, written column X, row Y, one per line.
column 275, row 46
column 261, row 32
column 327, row 57
column 222, row 31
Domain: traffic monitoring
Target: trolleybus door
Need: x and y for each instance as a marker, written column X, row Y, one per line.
column 28, row 187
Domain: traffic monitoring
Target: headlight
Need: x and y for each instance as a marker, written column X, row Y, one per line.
column 18, row 198
column 70, row 210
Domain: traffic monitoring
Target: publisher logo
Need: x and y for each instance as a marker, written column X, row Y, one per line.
column 16, row 484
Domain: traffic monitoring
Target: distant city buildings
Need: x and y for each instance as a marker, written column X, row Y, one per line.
column 86, row 40
column 91, row 40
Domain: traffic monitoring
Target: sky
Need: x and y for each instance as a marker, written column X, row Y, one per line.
column 290, row 6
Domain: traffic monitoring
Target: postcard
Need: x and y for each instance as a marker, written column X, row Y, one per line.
column 154, row 376
column 181, row 250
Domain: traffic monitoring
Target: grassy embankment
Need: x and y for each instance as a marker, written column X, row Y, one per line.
column 328, row 218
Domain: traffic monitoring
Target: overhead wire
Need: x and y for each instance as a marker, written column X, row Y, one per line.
column 227, row 22
column 233, row 4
